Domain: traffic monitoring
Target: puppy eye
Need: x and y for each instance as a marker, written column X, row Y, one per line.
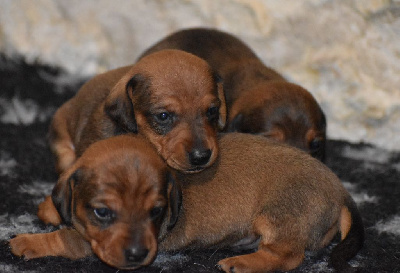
column 163, row 117
column 316, row 144
column 104, row 214
column 156, row 212
column 212, row 112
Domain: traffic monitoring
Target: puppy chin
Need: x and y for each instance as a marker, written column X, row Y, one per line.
column 135, row 266
column 185, row 168
column 194, row 170
column 126, row 266
column 113, row 260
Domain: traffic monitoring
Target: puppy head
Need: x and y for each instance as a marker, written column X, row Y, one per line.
column 176, row 101
column 116, row 196
column 282, row 111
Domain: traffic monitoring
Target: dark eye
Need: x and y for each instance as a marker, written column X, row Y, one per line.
column 212, row 112
column 316, row 144
column 156, row 212
column 104, row 214
column 163, row 117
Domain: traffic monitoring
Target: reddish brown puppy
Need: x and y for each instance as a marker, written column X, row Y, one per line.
column 259, row 100
column 258, row 193
column 113, row 199
column 171, row 97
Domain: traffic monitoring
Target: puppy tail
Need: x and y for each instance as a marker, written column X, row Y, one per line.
column 352, row 230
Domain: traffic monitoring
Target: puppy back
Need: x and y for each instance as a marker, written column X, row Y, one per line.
column 254, row 176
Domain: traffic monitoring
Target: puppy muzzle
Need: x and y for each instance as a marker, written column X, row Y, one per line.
column 199, row 157
column 135, row 256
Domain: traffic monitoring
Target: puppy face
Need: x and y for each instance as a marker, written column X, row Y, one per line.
column 177, row 103
column 282, row 111
column 116, row 197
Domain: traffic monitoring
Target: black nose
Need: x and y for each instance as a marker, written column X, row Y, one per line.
column 136, row 255
column 199, row 157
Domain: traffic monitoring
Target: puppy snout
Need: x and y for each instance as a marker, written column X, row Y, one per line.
column 199, row 157
column 136, row 255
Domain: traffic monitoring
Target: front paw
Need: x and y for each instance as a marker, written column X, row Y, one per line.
column 26, row 246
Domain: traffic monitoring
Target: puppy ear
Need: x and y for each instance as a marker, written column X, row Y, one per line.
column 62, row 195
column 236, row 124
column 174, row 200
column 119, row 106
column 222, row 108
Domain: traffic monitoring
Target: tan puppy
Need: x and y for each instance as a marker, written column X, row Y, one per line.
column 114, row 198
column 258, row 193
column 262, row 193
column 171, row 97
column 259, row 100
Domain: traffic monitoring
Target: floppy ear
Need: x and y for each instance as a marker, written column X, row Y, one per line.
column 118, row 105
column 174, row 200
column 62, row 195
column 236, row 124
column 222, row 108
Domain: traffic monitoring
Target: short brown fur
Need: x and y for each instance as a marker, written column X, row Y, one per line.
column 173, row 98
column 258, row 192
column 123, row 174
column 259, row 100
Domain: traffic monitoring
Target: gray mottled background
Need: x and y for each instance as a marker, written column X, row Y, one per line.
column 347, row 53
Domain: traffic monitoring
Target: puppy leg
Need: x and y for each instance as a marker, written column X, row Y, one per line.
column 60, row 139
column 66, row 242
column 265, row 259
column 47, row 213
column 65, row 154
column 271, row 255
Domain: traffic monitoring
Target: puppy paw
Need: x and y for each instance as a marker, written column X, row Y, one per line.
column 24, row 245
column 47, row 213
column 233, row 265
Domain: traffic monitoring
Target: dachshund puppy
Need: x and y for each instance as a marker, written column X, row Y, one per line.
column 258, row 193
column 264, row 193
column 259, row 100
column 113, row 199
column 171, row 97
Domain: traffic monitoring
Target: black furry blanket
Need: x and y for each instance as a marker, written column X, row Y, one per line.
column 29, row 96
